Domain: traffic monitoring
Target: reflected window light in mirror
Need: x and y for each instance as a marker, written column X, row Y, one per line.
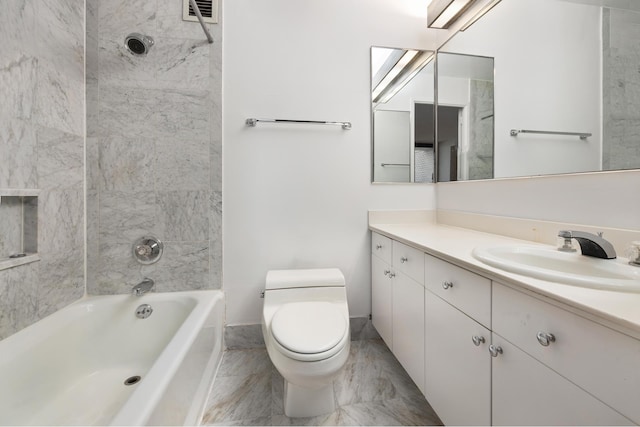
column 442, row 13
column 411, row 63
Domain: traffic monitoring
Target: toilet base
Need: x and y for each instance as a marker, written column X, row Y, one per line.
column 300, row 402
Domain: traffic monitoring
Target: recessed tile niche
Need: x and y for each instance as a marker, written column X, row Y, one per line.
column 18, row 227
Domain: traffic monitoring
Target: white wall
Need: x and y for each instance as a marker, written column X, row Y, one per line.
column 296, row 196
column 547, row 77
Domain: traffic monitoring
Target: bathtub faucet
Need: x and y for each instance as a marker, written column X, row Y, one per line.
column 143, row 287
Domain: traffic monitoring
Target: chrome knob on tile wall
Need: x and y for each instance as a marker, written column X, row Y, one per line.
column 477, row 340
column 147, row 250
column 545, row 338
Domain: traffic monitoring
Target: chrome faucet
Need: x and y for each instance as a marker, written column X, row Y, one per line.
column 143, row 287
column 591, row 244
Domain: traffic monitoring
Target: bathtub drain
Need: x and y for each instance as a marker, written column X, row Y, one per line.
column 132, row 380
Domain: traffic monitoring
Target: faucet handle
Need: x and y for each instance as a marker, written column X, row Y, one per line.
column 567, row 244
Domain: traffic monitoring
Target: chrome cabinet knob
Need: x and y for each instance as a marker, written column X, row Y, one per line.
column 404, row 259
column 495, row 350
column 545, row 338
column 392, row 274
column 387, row 272
column 378, row 246
column 447, row 285
column 477, row 340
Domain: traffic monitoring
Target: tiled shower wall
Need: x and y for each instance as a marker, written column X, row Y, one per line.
column 42, row 146
column 481, row 118
column 621, row 85
column 154, row 145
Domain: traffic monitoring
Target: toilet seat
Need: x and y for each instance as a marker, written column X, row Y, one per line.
column 309, row 331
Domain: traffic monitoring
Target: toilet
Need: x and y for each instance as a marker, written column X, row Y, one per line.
column 305, row 324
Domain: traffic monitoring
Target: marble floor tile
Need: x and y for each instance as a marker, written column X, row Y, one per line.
column 373, row 389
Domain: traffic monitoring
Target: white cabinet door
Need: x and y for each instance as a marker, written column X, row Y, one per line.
column 381, row 305
column 525, row 392
column 601, row 361
column 457, row 369
column 408, row 326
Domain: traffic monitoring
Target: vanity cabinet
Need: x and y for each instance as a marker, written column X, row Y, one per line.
column 457, row 364
column 397, row 302
column 381, row 299
column 485, row 353
column 599, row 360
column 524, row 391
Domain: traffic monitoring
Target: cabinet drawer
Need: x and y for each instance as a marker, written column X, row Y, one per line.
column 409, row 261
column 381, row 247
column 598, row 359
column 463, row 289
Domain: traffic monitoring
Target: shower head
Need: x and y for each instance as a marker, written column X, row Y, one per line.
column 138, row 44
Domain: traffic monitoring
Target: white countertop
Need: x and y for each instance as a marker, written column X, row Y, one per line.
column 618, row 310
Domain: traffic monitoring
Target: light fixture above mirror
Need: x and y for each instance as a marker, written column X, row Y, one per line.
column 442, row 13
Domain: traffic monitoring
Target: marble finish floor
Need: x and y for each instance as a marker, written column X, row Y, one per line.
column 372, row 389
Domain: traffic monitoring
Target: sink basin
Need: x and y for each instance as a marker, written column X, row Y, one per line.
column 547, row 263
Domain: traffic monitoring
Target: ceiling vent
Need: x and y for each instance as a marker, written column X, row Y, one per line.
column 208, row 10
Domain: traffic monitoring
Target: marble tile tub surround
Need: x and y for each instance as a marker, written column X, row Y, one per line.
column 372, row 389
column 154, row 147
column 42, row 147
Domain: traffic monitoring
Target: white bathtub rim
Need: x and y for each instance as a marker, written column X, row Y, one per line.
column 139, row 407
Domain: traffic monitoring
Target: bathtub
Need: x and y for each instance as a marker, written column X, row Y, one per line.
column 79, row 366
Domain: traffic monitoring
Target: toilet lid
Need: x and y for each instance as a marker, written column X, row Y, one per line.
column 308, row 327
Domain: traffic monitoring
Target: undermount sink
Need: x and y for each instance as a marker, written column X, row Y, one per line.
column 547, row 263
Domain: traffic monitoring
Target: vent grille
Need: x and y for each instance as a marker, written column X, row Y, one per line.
column 205, row 8
column 208, row 10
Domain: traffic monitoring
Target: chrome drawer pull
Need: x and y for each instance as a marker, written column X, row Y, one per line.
column 477, row 340
column 404, row 259
column 447, row 285
column 495, row 350
column 392, row 275
column 378, row 246
column 545, row 338
column 387, row 272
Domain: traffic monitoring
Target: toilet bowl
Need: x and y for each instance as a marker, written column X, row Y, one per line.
column 305, row 324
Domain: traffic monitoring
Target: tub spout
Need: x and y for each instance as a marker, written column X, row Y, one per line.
column 143, row 287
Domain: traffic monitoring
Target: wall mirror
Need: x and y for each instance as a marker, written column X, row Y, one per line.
column 402, row 102
column 465, row 117
column 567, row 85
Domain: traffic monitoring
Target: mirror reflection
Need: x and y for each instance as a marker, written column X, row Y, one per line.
column 566, row 93
column 465, row 117
column 402, row 88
